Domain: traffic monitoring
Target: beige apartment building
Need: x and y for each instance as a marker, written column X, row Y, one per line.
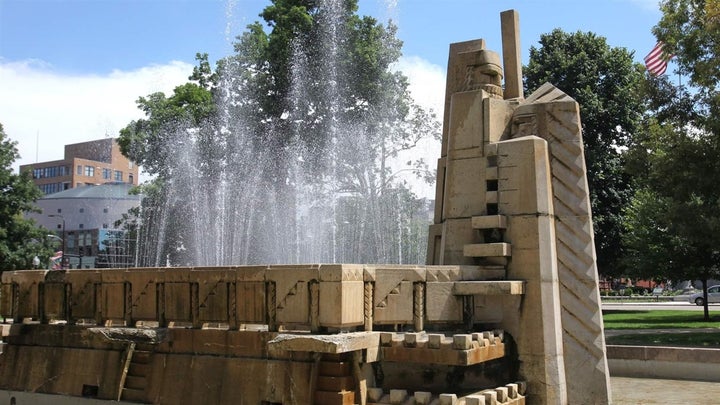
column 86, row 163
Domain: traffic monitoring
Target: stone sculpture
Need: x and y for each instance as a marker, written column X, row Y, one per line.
column 506, row 311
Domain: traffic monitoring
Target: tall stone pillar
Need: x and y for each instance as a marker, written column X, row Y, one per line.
column 520, row 162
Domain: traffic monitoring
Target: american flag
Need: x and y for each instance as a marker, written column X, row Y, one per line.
column 656, row 61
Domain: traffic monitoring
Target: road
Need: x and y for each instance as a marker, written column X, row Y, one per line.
column 648, row 306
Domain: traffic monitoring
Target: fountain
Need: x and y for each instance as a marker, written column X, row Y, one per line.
column 309, row 184
column 507, row 310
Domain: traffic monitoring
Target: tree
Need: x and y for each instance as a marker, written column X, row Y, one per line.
column 673, row 223
column 20, row 239
column 306, row 117
column 605, row 82
column 679, row 153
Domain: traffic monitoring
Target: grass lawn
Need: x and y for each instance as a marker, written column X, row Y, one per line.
column 683, row 339
column 649, row 320
column 659, row 319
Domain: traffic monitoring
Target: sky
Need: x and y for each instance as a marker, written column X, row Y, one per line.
column 71, row 70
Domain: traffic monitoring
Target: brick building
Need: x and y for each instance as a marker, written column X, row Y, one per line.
column 86, row 163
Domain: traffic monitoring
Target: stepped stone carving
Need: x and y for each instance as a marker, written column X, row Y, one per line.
column 512, row 191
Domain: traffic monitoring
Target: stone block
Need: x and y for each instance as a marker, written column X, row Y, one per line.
column 393, row 303
column 501, row 287
column 456, row 234
column 340, row 272
column 250, row 302
column 410, row 340
column 466, row 120
column 443, row 273
column 114, row 300
column 214, row 300
column 498, row 249
column 334, row 398
column 524, row 176
column 448, row 399
column 502, row 394
column 462, row 342
column 341, row 303
column 386, row 338
column 84, row 291
column 474, row 400
column 422, row 397
column 435, row 341
column 498, row 116
column 490, row 397
column 398, row 397
column 177, row 301
column 489, row 222
column 512, row 390
column 440, row 303
column 465, row 188
column 374, row 394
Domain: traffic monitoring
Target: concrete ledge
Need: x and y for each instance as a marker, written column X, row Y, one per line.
column 677, row 363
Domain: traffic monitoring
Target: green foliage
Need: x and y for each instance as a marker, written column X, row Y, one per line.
column 673, row 224
column 606, row 83
column 691, row 32
column 20, row 239
column 146, row 141
column 658, row 319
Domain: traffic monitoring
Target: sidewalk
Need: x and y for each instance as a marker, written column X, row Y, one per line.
column 617, row 332
column 632, row 391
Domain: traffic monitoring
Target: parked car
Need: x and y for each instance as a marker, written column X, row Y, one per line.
column 713, row 296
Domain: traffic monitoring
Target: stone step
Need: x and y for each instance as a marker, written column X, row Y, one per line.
column 334, row 398
column 500, row 249
column 139, row 370
column 489, row 222
column 129, row 394
column 498, row 287
column 141, row 356
column 135, row 382
column 334, row 369
column 329, row 383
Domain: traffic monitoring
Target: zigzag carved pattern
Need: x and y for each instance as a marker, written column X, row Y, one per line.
column 293, row 291
column 577, row 271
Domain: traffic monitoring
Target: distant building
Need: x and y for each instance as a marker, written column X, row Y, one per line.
column 88, row 215
column 87, row 163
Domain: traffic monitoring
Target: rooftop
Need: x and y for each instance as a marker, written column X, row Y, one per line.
column 115, row 191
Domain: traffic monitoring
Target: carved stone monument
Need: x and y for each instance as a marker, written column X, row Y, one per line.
column 506, row 311
column 512, row 190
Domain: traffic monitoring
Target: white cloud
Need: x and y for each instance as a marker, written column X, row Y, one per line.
column 427, row 82
column 58, row 109
column 39, row 103
column 427, row 86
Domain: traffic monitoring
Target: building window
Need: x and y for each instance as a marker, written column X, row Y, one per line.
column 105, row 226
column 63, row 170
column 81, row 226
column 59, row 226
column 131, row 179
column 106, row 174
column 105, row 210
column 59, row 210
column 79, row 170
column 130, row 165
column 89, row 171
column 118, row 175
column 82, row 210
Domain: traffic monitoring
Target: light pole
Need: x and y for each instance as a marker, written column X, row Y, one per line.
column 62, row 259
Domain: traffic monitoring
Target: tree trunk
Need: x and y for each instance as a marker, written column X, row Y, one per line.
column 706, row 316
